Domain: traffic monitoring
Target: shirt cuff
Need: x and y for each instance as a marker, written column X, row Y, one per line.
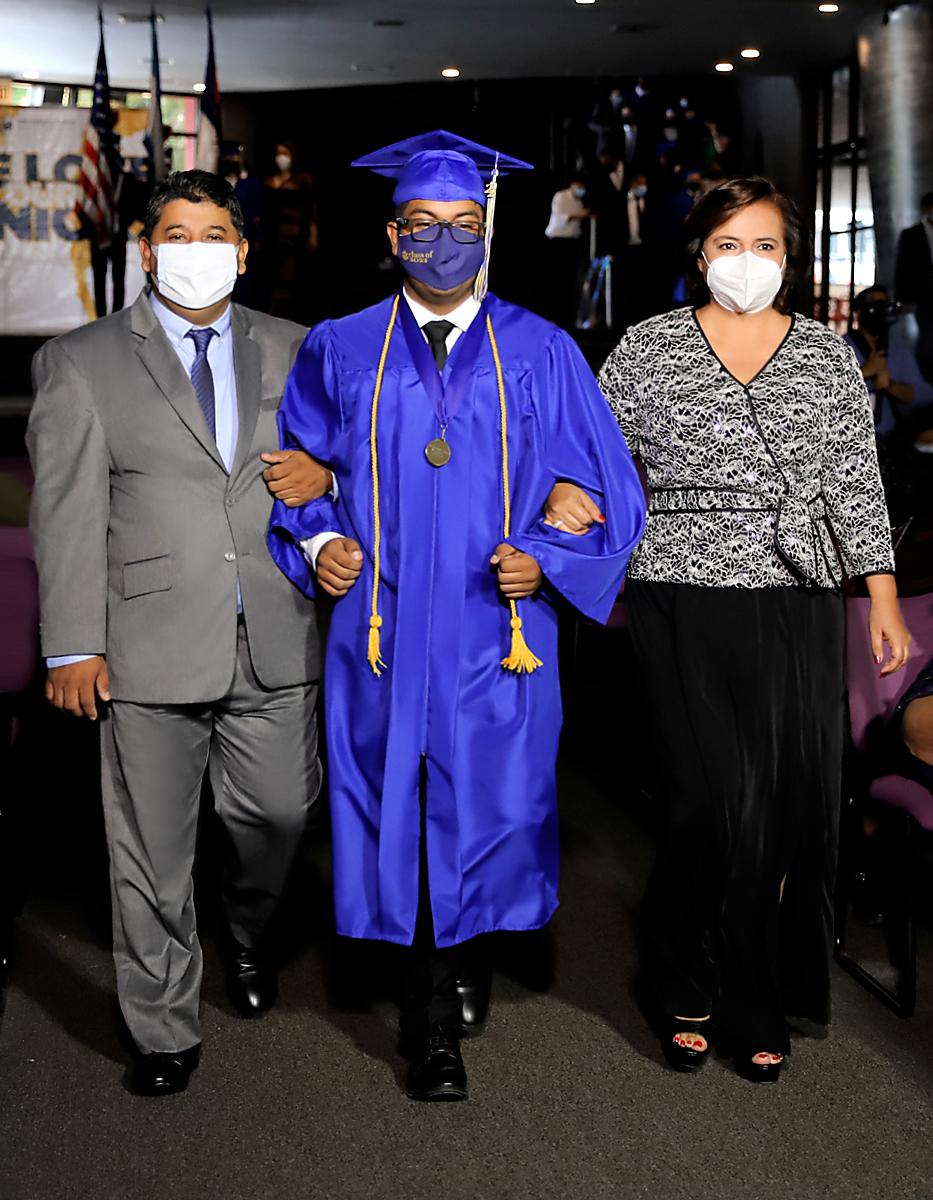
column 335, row 487
column 312, row 547
column 65, row 660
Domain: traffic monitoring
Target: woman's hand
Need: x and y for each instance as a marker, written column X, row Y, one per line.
column 295, row 478
column 571, row 509
column 885, row 624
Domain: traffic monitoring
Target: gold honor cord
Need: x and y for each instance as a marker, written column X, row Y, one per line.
column 374, row 655
column 520, row 658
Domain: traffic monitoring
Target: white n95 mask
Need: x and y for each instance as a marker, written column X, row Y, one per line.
column 744, row 283
column 196, row 274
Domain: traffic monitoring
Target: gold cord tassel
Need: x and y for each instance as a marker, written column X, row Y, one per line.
column 481, row 285
column 520, row 659
column 374, row 655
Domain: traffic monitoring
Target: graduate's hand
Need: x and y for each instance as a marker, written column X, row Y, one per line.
column 571, row 509
column 519, row 574
column 76, row 687
column 339, row 565
column 295, row 478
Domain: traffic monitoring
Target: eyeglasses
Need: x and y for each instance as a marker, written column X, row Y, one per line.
column 424, row 230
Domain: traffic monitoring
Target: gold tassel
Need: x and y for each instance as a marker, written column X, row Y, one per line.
column 521, row 659
column 481, row 285
column 374, row 655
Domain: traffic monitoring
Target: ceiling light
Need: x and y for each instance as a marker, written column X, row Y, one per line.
column 30, row 75
column 829, row 8
column 586, row 1
column 199, row 87
column 751, row 52
column 724, row 67
column 451, row 72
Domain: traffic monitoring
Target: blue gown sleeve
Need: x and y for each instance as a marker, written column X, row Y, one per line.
column 583, row 445
column 309, row 417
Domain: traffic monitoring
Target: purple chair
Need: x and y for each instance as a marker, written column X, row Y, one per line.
column 906, row 805
column 19, row 661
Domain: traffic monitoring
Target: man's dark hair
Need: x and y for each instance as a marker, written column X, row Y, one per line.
column 927, row 200
column 722, row 202
column 196, row 187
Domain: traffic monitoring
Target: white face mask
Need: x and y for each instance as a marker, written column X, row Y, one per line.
column 196, row 274
column 283, row 162
column 744, row 283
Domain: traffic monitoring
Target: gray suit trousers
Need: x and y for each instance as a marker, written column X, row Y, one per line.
column 261, row 748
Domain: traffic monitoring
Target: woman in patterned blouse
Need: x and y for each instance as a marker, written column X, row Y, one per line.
column 755, row 431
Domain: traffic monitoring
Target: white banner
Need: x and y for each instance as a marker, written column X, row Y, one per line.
column 46, row 285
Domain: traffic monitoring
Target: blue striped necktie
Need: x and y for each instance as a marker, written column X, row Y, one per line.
column 201, row 375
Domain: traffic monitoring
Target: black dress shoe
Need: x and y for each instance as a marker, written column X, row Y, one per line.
column 436, row 1069
column 474, row 994
column 161, row 1074
column 252, row 984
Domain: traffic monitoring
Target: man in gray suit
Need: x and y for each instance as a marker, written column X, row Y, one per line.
column 159, row 598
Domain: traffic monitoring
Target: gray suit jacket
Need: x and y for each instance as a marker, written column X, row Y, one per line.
column 140, row 532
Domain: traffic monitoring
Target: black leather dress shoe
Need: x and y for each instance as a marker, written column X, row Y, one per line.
column 474, row 996
column 164, row 1074
column 252, row 984
column 436, row 1069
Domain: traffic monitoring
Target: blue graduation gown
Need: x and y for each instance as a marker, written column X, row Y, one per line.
column 489, row 737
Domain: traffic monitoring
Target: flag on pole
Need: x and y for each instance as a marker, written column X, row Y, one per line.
column 95, row 205
column 155, row 142
column 208, row 148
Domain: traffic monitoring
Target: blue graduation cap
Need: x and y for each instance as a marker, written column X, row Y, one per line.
column 440, row 166
column 443, row 166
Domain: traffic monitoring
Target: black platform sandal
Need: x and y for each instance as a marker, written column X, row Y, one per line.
column 679, row 1044
column 758, row 1072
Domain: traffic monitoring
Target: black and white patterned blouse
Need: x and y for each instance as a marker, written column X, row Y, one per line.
column 758, row 485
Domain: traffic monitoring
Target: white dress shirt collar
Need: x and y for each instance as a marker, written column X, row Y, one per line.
column 461, row 317
column 177, row 327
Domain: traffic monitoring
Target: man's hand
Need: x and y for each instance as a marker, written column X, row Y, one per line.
column 295, row 478
column 571, row 509
column 76, row 688
column 339, row 565
column 519, row 574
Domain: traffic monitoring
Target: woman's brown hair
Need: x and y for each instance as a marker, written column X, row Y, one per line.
column 723, row 201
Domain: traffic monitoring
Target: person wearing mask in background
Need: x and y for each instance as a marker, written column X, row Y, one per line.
column 447, row 415
column 291, row 239
column 163, row 613
column 638, row 272
column 567, row 251
column 607, row 119
column 913, row 280
column 756, row 434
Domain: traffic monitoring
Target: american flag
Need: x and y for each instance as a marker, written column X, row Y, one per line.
column 96, row 205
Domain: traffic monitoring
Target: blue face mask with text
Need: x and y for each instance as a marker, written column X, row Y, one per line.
column 441, row 264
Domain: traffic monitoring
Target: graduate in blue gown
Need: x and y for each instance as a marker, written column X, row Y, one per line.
column 447, row 416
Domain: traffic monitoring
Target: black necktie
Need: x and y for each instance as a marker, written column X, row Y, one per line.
column 201, row 375
column 437, row 333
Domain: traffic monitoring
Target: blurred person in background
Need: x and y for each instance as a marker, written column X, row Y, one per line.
column 250, row 195
column 567, row 250
column 756, row 433
column 913, row 280
column 290, row 241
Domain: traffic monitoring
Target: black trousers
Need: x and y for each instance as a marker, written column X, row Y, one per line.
column 429, row 976
column 745, row 691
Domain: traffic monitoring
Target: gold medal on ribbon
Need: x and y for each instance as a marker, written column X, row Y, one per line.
column 437, row 452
